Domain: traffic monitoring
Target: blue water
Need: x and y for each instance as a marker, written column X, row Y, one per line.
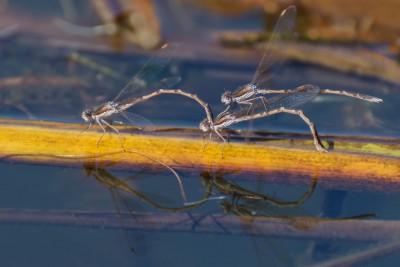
column 51, row 189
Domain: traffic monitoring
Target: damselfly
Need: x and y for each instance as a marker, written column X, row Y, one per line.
column 286, row 102
column 283, row 31
column 147, row 79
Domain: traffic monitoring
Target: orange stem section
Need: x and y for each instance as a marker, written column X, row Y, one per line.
column 60, row 144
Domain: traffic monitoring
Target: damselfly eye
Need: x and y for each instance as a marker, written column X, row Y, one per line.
column 87, row 114
column 226, row 97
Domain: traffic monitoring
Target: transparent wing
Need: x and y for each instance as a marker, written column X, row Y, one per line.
column 149, row 73
column 126, row 214
column 283, row 31
column 167, row 82
column 137, row 120
column 293, row 99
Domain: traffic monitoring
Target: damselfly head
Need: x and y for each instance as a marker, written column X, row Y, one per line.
column 226, row 206
column 226, row 98
column 87, row 114
column 205, row 125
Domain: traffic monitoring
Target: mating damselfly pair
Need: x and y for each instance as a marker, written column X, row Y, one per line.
column 253, row 94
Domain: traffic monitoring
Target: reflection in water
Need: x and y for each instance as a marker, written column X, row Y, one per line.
column 237, row 192
column 136, row 238
column 125, row 197
column 110, row 181
column 267, row 220
column 252, row 206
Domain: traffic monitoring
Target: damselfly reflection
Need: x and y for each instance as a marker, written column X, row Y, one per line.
column 259, row 215
column 257, row 203
column 258, row 220
column 146, row 79
column 135, row 239
column 99, row 170
column 284, row 103
column 229, row 188
column 248, row 206
column 126, row 198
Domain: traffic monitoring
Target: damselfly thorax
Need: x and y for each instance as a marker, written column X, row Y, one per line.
column 269, row 64
column 146, row 79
